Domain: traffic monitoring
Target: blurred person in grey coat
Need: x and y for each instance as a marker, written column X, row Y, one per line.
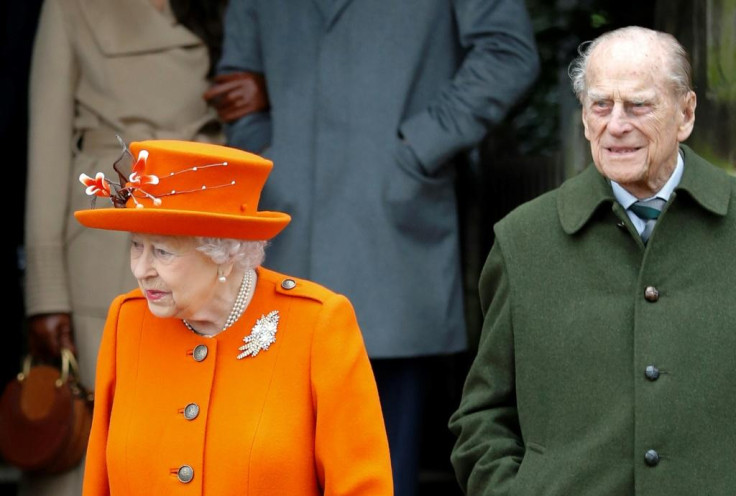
column 370, row 103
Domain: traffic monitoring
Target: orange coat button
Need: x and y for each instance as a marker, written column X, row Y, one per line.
column 200, row 352
column 185, row 474
column 191, row 411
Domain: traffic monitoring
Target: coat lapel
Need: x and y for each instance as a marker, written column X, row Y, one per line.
column 120, row 29
column 336, row 8
column 331, row 10
column 580, row 196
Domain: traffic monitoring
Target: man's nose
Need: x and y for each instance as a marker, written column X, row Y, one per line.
column 620, row 122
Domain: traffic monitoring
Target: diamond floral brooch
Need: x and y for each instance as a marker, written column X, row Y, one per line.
column 261, row 336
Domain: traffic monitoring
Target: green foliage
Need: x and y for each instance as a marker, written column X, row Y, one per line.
column 721, row 61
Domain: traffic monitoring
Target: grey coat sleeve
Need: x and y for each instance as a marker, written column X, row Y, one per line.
column 241, row 52
column 489, row 447
column 240, row 45
column 500, row 66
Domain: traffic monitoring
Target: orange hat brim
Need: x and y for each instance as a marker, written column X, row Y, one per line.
column 262, row 226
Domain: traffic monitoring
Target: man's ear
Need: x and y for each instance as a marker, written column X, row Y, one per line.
column 686, row 116
column 584, row 116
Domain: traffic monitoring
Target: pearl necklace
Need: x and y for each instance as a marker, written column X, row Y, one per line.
column 238, row 306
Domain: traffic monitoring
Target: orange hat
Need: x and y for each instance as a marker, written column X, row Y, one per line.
column 184, row 188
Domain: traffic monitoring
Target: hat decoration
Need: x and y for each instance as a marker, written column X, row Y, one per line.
column 131, row 186
column 169, row 187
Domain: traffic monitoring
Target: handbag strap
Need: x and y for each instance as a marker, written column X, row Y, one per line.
column 68, row 366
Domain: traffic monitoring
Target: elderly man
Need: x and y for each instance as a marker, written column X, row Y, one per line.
column 606, row 363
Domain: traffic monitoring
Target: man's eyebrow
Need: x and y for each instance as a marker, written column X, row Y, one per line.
column 645, row 96
column 595, row 95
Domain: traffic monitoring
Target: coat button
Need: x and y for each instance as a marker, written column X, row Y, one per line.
column 651, row 372
column 185, row 474
column 288, row 284
column 200, row 352
column 191, row 411
column 651, row 294
column 651, row 458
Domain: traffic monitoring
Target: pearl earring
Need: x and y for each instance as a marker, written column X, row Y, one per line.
column 221, row 277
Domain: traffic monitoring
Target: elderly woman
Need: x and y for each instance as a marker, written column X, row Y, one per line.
column 216, row 373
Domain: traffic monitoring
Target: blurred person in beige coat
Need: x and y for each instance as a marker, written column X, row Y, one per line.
column 100, row 68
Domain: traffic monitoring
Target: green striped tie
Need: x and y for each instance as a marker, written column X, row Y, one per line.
column 648, row 211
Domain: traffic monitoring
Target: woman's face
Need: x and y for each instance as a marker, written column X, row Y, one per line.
column 177, row 279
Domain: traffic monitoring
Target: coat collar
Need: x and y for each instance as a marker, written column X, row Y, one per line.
column 580, row 196
column 120, row 28
column 705, row 183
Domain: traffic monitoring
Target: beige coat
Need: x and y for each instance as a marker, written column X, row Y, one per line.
column 99, row 68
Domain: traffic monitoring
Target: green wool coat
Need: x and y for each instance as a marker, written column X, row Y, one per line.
column 606, row 367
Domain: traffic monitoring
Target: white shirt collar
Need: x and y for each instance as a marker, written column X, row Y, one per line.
column 626, row 199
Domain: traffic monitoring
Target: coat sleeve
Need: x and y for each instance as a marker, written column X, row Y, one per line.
column 241, row 51
column 489, row 446
column 351, row 446
column 96, row 482
column 53, row 80
column 500, row 65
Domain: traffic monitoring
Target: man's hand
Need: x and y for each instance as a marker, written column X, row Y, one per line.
column 48, row 334
column 237, row 94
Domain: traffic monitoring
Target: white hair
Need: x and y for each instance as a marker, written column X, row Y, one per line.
column 245, row 254
column 679, row 70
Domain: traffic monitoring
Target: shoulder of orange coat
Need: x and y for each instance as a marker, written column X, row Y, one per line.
column 294, row 286
column 134, row 297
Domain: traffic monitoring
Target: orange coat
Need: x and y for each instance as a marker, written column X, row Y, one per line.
column 301, row 418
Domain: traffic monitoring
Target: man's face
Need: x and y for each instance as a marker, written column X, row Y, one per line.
column 632, row 117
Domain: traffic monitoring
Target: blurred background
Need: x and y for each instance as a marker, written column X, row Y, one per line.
column 538, row 146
